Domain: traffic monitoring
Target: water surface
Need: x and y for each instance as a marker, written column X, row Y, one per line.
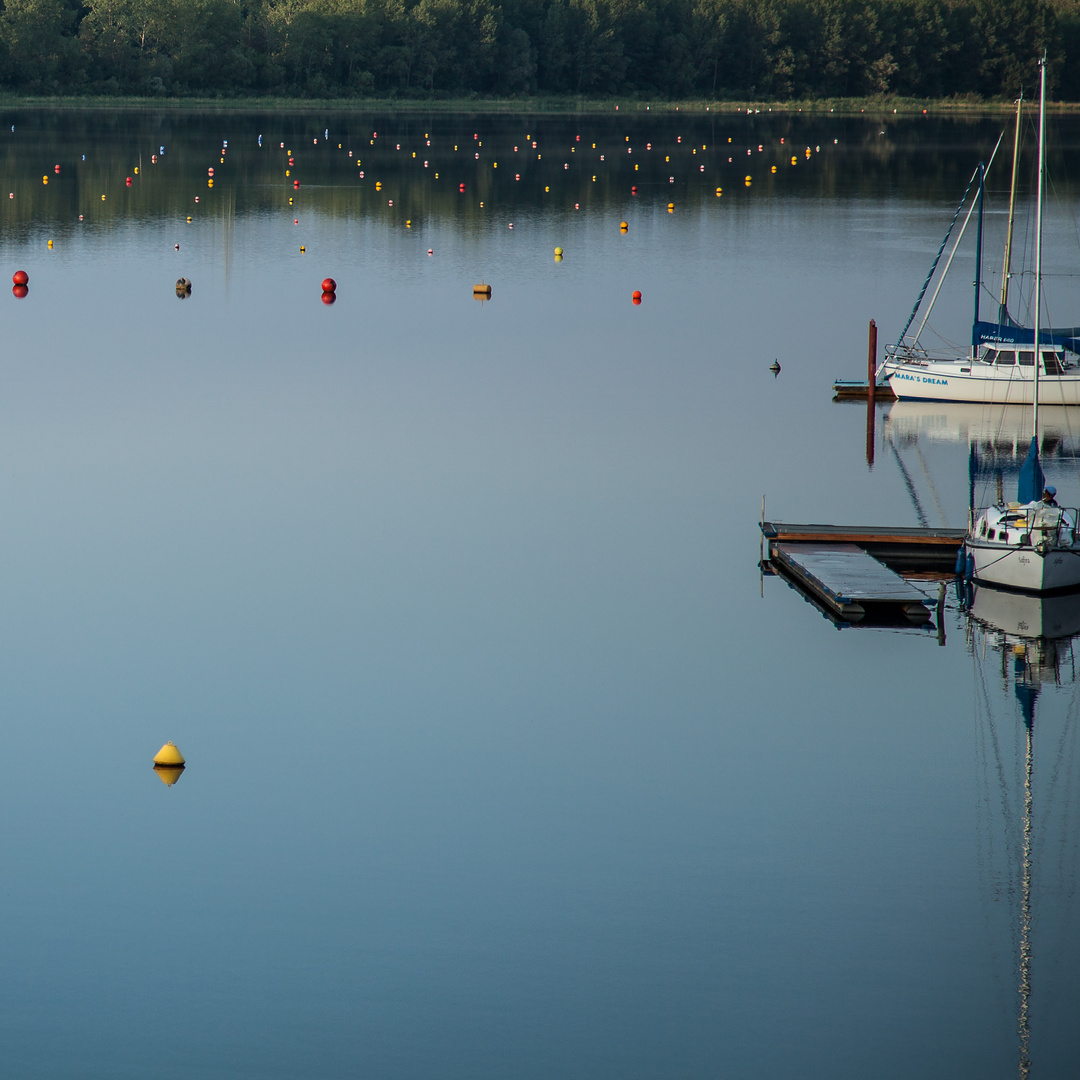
column 499, row 760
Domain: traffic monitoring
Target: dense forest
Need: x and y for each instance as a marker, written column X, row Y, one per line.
column 772, row 50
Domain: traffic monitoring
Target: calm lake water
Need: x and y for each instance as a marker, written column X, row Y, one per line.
column 502, row 758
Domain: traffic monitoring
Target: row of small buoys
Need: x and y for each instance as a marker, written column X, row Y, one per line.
column 169, row 764
column 21, row 280
column 329, row 290
column 183, row 288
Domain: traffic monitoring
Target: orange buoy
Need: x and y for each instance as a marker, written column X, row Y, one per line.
column 481, row 290
column 636, row 297
column 329, row 285
column 21, row 277
column 56, row 168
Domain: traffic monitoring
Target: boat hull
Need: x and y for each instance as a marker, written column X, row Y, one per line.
column 1024, row 569
column 927, row 384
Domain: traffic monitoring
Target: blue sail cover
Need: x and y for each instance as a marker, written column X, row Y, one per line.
column 1031, row 483
column 1067, row 337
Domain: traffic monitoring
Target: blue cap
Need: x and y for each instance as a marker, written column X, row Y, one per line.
column 1050, row 489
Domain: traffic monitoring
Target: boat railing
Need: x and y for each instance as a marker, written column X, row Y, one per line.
column 1041, row 527
column 905, row 353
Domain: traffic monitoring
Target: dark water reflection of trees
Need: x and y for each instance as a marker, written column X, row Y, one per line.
column 590, row 161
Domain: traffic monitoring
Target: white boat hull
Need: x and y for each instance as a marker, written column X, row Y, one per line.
column 1010, row 567
column 949, row 383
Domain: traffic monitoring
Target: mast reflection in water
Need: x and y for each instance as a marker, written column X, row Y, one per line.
column 1030, row 640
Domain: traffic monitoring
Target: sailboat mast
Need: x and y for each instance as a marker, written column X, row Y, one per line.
column 978, row 263
column 1006, row 269
column 1038, row 243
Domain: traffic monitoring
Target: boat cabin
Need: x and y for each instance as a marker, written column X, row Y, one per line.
column 1055, row 361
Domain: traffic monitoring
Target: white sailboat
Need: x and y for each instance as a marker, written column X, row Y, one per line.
column 1031, row 544
column 1004, row 366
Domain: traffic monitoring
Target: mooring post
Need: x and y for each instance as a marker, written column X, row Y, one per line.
column 871, row 364
column 871, row 382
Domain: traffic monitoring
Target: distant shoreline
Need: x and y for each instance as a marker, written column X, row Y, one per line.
column 552, row 106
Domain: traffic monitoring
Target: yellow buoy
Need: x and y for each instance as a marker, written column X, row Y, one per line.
column 169, row 755
column 189, row 219
column 558, row 251
column 44, row 179
column 719, row 192
column 50, row 243
column 671, row 208
column 623, row 226
column 774, row 168
column 302, row 249
column 558, row 258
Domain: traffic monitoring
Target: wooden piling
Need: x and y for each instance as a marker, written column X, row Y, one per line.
column 871, row 364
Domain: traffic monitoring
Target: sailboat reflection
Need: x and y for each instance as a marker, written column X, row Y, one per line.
column 997, row 439
column 999, row 432
column 1034, row 638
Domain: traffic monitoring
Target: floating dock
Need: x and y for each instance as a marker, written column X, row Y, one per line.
column 848, row 582
column 859, row 390
column 903, row 548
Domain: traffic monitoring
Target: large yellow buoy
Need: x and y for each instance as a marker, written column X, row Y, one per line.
column 558, row 251
column 481, row 291
column 168, row 761
column 169, row 755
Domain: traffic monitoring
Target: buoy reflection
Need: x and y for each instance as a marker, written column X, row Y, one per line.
column 169, row 774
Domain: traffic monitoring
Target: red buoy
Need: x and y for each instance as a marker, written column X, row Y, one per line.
column 329, row 297
column 461, row 187
column 56, row 168
column 636, row 297
column 296, row 183
column 209, row 172
column 329, row 285
column 19, row 291
column 633, row 190
column 21, row 277
column 128, row 181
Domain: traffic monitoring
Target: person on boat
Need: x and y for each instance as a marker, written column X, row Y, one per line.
column 1049, row 495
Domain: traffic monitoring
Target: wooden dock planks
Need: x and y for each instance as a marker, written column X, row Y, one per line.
column 785, row 532
column 859, row 389
column 848, row 580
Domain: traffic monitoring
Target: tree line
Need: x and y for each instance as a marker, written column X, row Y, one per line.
column 772, row 50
